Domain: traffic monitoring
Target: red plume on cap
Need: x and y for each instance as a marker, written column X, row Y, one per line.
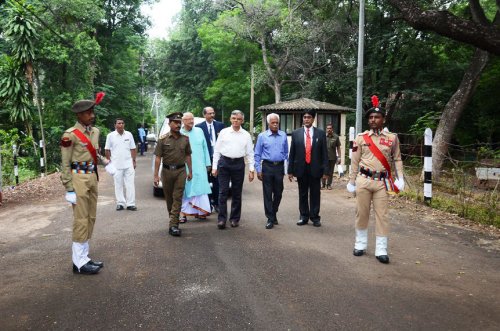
column 374, row 101
column 98, row 97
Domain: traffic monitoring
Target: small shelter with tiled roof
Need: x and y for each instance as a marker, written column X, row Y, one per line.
column 290, row 113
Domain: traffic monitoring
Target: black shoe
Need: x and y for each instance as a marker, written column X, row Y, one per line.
column 133, row 208
column 221, row 225
column 174, row 231
column 119, row 207
column 269, row 224
column 235, row 224
column 275, row 221
column 383, row 258
column 302, row 222
column 358, row 252
column 317, row 223
column 97, row 263
column 86, row 269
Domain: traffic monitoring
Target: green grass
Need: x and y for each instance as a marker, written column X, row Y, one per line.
column 484, row 212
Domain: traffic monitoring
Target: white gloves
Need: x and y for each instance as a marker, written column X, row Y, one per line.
column 351, row 188
column 400, row 183
column 110, row 169
column 71, row 197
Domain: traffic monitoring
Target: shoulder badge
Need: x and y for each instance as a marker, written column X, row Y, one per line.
column 65, row 142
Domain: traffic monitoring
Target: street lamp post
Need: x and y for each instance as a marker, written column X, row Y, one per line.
column 359, row 75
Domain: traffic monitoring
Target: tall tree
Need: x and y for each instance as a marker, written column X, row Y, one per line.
column 476, row 30
column 293, row 46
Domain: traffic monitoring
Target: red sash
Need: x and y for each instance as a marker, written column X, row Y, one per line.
column 83, row 138
column 378, row 154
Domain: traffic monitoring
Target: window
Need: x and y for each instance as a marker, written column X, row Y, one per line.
column 322, row 120
column 286, row 123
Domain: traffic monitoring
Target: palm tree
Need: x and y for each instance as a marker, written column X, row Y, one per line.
column 21, row 33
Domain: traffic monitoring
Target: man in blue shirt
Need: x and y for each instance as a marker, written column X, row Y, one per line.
column 272, row 151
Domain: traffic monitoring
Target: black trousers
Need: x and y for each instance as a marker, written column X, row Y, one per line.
column 309, row 196
column 233, row 171
column 214, row 196
column 272, row 187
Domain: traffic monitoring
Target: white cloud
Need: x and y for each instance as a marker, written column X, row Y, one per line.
column 161, row 15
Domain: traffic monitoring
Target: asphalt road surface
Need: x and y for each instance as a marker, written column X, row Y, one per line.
column 441, row 277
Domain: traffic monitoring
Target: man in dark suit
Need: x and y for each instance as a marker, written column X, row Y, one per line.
column 308, row 161
column 211, row 129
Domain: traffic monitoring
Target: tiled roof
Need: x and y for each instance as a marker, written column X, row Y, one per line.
column 302, row 104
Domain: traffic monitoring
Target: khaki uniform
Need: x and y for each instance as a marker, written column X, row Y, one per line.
column 82, row 182
column 173, row 152
column 371, row 188
column 332, row 142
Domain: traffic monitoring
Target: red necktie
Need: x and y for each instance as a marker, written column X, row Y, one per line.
column 308, row 146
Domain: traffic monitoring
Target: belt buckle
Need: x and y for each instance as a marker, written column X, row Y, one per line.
column 275, row 163
column 172, row 167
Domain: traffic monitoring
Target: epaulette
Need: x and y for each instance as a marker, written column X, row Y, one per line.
column 70, row 129
column 163, row 135
column 363, row 133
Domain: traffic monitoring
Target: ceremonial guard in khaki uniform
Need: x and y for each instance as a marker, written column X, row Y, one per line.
column 174, row 152
column 373, row 178
column 79, row 146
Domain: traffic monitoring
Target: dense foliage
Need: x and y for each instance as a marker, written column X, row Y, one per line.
column 54, row 52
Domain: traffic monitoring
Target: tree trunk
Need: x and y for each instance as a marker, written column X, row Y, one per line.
column 277, row 92
column 391, row 105
column 454, row 108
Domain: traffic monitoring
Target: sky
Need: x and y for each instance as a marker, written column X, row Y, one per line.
column 161, row 15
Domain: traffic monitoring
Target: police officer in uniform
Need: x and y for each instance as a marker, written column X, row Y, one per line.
column 333, row 147
column 174, row 152
column 372, row 181
column 79, row 146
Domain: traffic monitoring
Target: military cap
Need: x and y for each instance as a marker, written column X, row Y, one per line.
column 177, row 116
column 311, row 112
column 84, row 105
column 376, row 108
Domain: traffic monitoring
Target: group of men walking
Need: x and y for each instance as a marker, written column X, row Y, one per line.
column 201, row 164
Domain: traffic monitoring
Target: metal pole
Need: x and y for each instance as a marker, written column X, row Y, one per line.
column 252, row 131
column 351, row 143
column 42, row 161
column 142, row 88
column 1, row 182
column 16, row 170
column 359, row 75
column 428, row 166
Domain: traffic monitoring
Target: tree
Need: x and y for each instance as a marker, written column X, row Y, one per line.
column 477, row 31
column 22, row 31
column 293, row 46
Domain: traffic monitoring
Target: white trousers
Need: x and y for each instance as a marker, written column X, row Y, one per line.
column 124, row 178
column 80, row 254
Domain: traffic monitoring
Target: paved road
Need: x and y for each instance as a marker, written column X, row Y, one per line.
column 248, row 278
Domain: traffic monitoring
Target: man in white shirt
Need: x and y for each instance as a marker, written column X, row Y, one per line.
column 233, row 149
column 120, row 148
